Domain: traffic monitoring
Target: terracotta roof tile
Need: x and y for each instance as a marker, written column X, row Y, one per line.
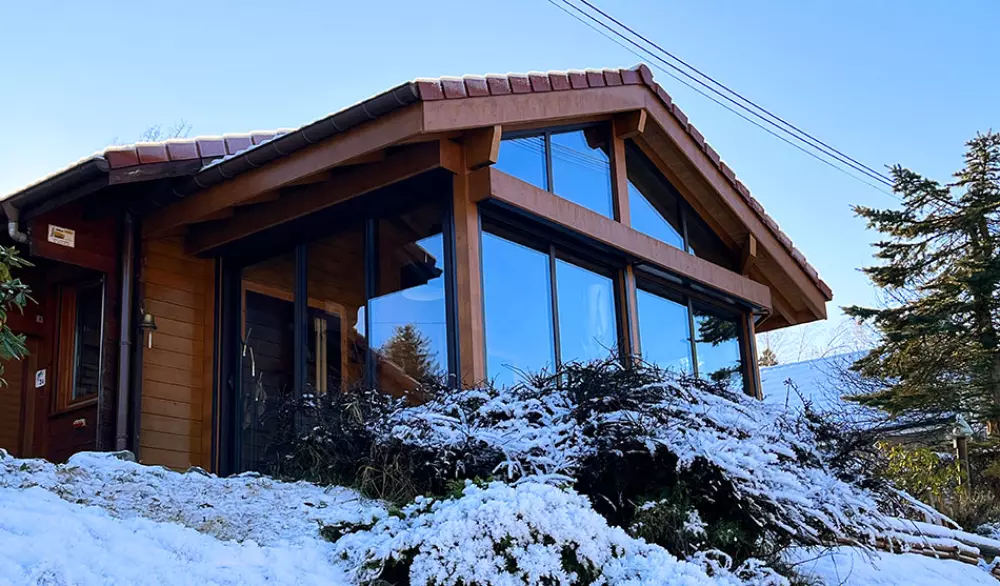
column 595, row 78
column 559, row 80
column 697, row 136
column 578, row 80
column 476, row 86
column 664, row 96
column 729, row 173
column 262, row 136
column 714, row 156
column 182, row 150
column 499, row 85
column 539, row 82
column 612, row 77
column 454, row 87
column 519, row 83
column 211, row 147
column 679, row 115
column 429, row 89
column 631, row 77
column 236, row 143
column 121, row 156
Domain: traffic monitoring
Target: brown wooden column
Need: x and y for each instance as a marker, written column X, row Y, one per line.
column 749, row 347
column 480, row 149
column 625, row 126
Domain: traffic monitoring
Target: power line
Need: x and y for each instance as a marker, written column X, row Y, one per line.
column 647, row 53
column 793, row 129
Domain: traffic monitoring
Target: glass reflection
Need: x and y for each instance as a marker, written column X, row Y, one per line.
column 518, row 309
column 335, row 344
column 587, row 328
column 654, row 207
column 524, row 158
column 717, row 344
column 581, row 172
column 268, row 354
column 408, row 314
column 664, row 332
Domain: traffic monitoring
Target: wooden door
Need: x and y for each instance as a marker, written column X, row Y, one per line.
column 17, row 403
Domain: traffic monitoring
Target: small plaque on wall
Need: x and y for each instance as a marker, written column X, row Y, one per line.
column 40, row 378
column 62, row 236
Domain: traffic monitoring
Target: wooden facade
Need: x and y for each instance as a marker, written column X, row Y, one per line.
column 246, row 271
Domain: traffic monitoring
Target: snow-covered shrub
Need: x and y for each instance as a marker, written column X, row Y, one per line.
column 756, row 476
column 528, row 533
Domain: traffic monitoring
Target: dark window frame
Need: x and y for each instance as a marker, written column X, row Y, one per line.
column 230, row 338
column 68, row 342
column 527, row 231
column 546, row 134
column 707, row 302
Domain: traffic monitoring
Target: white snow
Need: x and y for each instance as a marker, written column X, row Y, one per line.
column 850, row 566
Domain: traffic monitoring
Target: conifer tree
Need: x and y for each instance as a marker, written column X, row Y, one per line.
column 767, row 358
column 411, row 351
column 940, row 271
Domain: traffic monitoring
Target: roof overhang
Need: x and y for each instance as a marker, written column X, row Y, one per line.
column 211, row 177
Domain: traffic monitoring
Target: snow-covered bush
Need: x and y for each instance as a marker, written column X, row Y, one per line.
column 528, row 533
column 651, row 452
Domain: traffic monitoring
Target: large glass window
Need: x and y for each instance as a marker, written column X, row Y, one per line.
column 669, row 321
column 517, row 300
column 578, row 160
column 665, row 332
column 530, row 295
column 657, row 210
column 409, row 329
column 717, row 344
column 587, row 323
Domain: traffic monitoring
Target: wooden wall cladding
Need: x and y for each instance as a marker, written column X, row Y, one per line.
column 175, row 423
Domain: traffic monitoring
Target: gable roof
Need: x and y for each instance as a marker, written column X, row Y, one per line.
column 208, row 161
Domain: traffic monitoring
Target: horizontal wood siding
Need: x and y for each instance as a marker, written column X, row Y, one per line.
column 10, row 406
column 175, row 422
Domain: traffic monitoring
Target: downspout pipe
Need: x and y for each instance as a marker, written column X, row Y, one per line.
column 125, row 334
column 14, row 223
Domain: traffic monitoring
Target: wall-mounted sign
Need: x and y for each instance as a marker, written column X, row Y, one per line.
column 39, row 378
column 62, row 236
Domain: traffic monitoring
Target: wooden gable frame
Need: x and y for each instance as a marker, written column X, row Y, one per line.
column 388, row 149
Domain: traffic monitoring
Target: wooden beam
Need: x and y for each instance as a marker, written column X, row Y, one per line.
column 471, row 328
column 630, row 124
column 702, row 173
column 563, row 212
column 750, row 357
column 482, row 147
column 310, row 179
column 619, row 177
column 749, row 255
column 524, row 109
column 262, row 198
column 222, row 214
column 371, row 136
column 350, row 183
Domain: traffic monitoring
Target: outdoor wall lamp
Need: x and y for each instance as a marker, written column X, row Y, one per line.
column 148, row 325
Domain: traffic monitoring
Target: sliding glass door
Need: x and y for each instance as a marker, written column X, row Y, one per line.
column 367, row 305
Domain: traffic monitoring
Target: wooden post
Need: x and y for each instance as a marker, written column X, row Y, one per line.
column 471, row 332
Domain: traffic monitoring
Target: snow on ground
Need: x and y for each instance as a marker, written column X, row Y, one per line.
column 48, row 541
column 850, row 566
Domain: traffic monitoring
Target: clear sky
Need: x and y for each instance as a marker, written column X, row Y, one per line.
column 886, row 82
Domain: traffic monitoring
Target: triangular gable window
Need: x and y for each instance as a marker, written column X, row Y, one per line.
column 657, row 210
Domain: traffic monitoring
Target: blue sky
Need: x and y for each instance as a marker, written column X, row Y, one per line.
column 885, row 82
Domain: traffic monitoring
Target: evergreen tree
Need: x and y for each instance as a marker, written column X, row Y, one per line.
column 13, row 295
column 411, row 351
column 940, row 270
column 767, row 358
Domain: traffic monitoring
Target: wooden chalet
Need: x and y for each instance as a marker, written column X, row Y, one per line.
column 458, row 228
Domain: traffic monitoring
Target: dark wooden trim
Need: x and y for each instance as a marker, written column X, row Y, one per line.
column 372, row 136
column 494, row 184
column 351, row 183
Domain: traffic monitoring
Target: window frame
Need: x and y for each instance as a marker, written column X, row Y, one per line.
column 578, row 251
column 706, row 302
column 547, row 133
column 67, row 343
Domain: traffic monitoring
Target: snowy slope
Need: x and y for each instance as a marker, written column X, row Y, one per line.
column 848, row 566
